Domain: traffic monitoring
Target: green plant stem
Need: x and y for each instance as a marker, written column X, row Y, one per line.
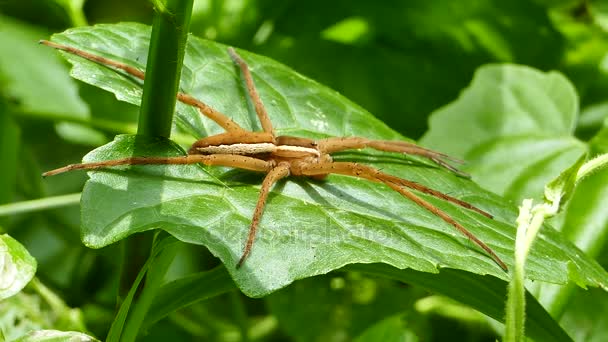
column 165, row 58
column 76, row 15
column 153, row 282
column 516, row 302
column 39, row 204
column 591, row 166
column 529, row 222
column 163, row 71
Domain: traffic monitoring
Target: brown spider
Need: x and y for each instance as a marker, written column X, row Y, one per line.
column 282, row 156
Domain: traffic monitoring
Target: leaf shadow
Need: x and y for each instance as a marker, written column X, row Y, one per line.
column 339, row 193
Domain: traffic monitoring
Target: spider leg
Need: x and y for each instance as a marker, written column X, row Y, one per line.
column 384, row 177
column 435, row 193
column 331, row 145
column 253, row 93
column 229, row 138
column 395, row 183
column 231, row 160
column 219, row 118
column 280, row 171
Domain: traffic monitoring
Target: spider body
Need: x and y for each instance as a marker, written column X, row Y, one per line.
column 282, row 156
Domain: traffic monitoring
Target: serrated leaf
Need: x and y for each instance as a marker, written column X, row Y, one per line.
column 308, row 227
column 514, row 126
column 17, row 266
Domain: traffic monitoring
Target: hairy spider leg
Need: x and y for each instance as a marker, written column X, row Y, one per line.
column 253, row 93
column 280, row 171
column 338, row 144
column 231, row 160
column 435, row 193
column 218, row 117
column 370, row 173
column 230, row 138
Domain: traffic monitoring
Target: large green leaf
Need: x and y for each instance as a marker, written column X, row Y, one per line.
column 514, row 126
column 309, row 227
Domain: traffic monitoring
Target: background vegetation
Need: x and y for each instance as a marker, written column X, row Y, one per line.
column 402, row 61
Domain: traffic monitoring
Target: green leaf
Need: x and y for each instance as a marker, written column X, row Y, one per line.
column 585, row 223
column 599, row 143
column 309, row 227
column 599, row 12
column 55, row 94
column 56, row 336
column 560, row 189
column 120, row 324
column 338, row 304
column 584, row 323
column 403, row 66
column 188, row 290
column 483, row 293
column 17, row 266
column 392, row 329
column 514, row 127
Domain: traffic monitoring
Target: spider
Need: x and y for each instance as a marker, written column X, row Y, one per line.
column 282, row 156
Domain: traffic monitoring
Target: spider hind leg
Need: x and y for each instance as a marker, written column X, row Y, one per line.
column 338, row 144
column 398, row 184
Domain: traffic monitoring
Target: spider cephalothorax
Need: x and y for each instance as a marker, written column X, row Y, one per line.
column 282, row 156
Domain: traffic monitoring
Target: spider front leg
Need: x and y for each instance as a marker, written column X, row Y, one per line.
column 280, row 171
column 395, row 183
column 252, row 91
column 220, row 118
column 331, row 145
column 230, row 160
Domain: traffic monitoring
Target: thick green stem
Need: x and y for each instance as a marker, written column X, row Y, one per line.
column 516, row 301
column 166, row 54
column 163, row 71
column 529, row 223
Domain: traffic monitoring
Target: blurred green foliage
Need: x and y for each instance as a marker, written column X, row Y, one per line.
column 401, row 60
